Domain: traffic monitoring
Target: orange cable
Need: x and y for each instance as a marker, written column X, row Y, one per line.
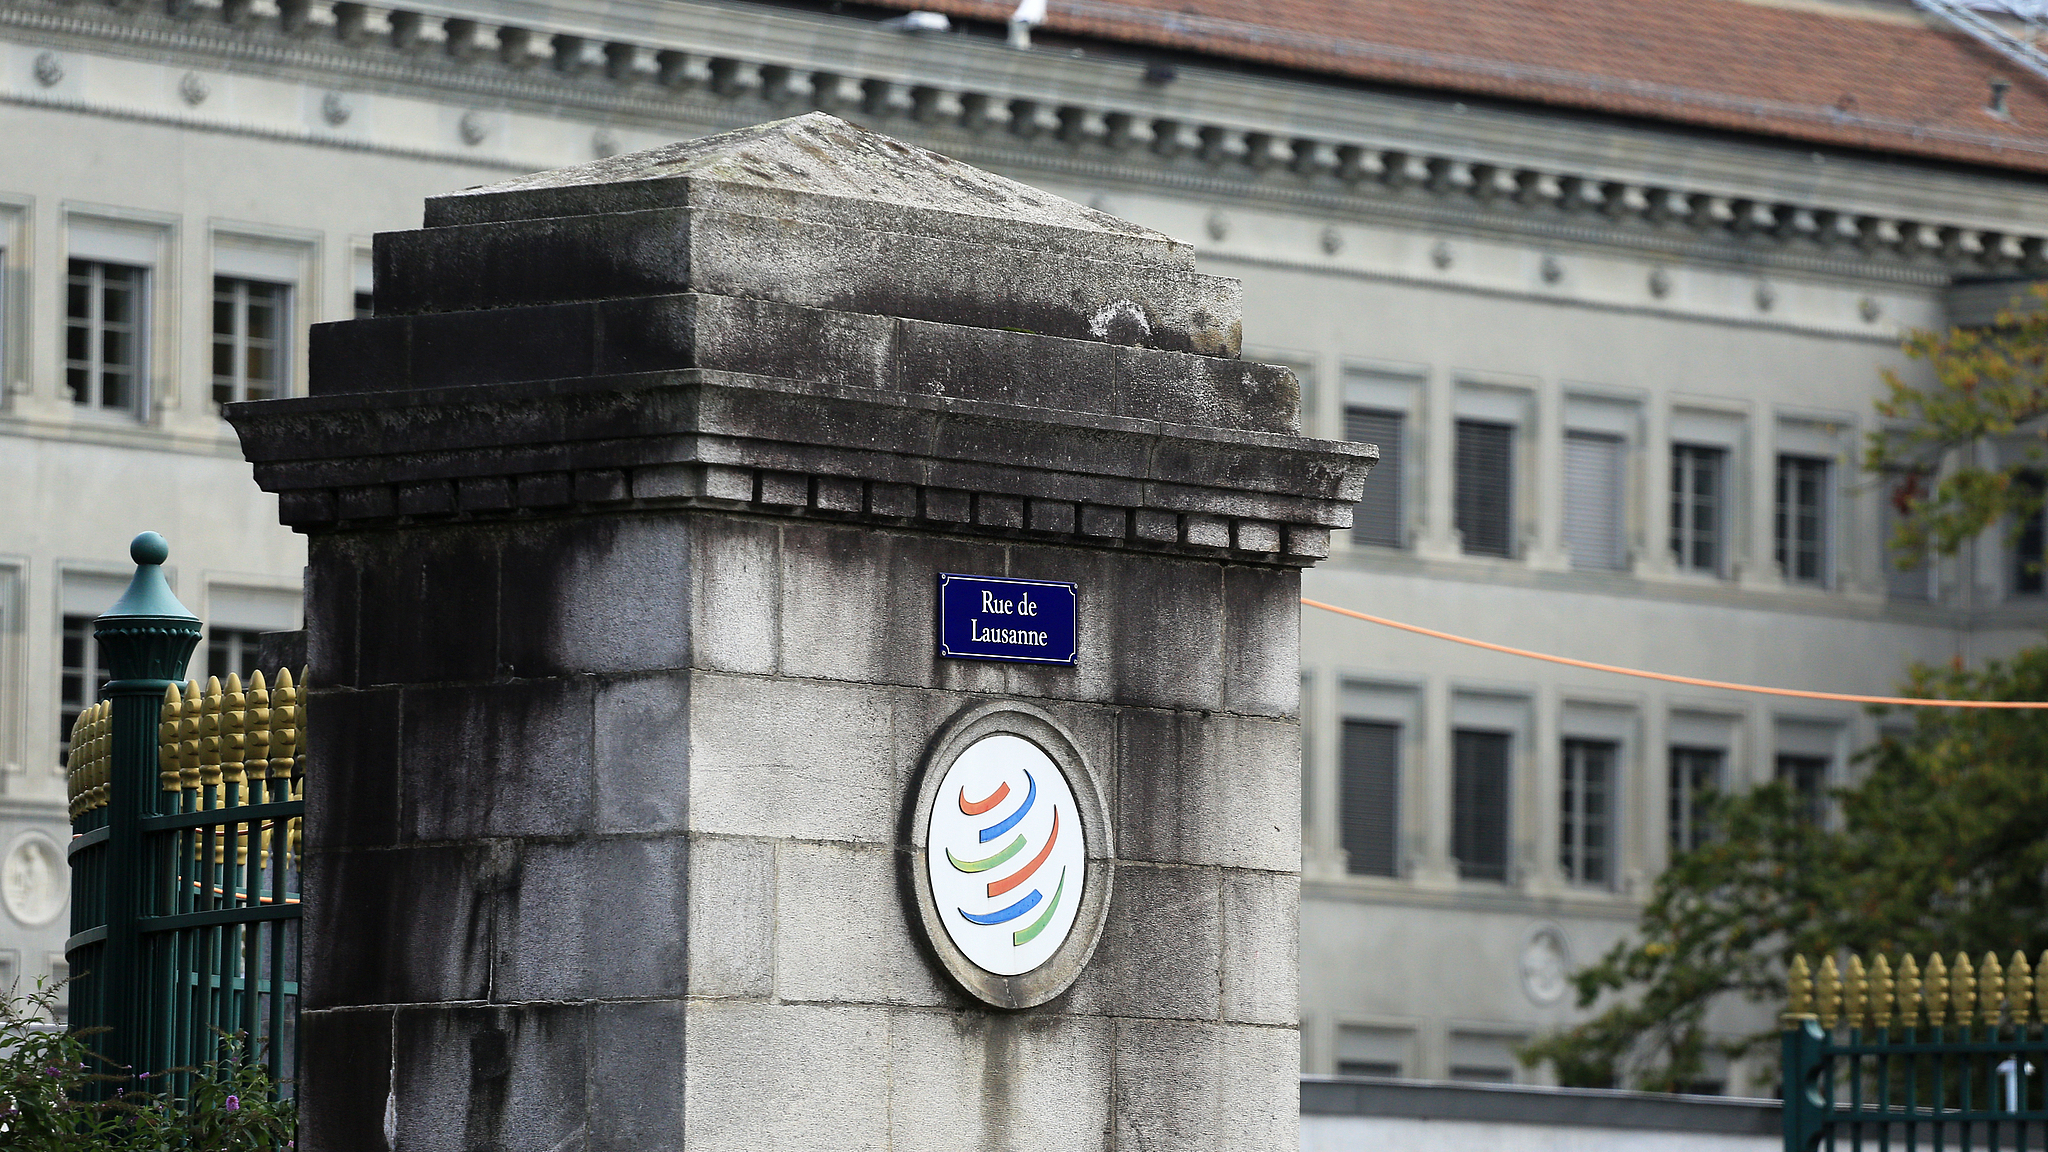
column 1901, row 701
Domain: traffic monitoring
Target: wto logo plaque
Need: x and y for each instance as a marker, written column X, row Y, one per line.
column 1012, row 862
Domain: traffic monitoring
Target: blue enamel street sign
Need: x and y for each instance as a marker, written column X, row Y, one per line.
column 993, row 618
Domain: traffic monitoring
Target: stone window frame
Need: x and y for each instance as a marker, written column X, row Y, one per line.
column 284, row 258
column 1386, row 388
column 133, row 239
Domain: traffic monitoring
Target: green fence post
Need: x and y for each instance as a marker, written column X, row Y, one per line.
column 1805, row 1108
column 146, row 638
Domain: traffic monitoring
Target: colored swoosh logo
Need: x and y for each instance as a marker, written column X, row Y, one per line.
column 988, row 862
column 977, row 807
column 999, row 887
column 1011, row 821
column 1027, row 935
column 1007, row 914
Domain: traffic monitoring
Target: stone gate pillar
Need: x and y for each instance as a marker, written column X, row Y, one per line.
column 803, row 639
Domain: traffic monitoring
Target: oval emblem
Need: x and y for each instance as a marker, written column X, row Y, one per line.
column 1012, row 855
column 1006, row 857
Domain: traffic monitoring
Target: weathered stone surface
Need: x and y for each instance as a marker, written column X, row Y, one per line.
column 638, row 1052
column 348, row 1054
column 358, row 764
column 402, row 926
column 1261, row 965
column 857, row 604
column 626, row 519
column 790, row 758
column 594, row 919
column 731, row 935
column 820, row 169
column 499, row 760
column 981, row 282
column 787, row 1076
column 594, row 595
column 839, row 934
column 1261, row 641
column 509, row 1078
column 1000, row 1083
column 1161, row 949
column 1187, row 1086
column 1210, row 790
column 640, row 753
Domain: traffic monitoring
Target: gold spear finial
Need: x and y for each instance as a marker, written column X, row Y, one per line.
column 1963, row 985
column 1855, row 992
column 1990, row 990
column 1881, row 992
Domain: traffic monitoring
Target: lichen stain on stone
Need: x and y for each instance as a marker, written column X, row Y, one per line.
column 490, row 1075
column 1120, row 322
column 999, row 1067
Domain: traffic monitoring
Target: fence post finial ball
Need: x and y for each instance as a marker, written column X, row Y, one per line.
column 149, row 548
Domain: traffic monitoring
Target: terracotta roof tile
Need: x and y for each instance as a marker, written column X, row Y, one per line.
column 1892, row 81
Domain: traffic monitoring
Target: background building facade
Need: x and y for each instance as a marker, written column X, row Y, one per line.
column 1610, row 285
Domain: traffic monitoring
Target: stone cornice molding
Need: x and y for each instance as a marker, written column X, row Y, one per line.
column 729, row 440
column 1275, row 140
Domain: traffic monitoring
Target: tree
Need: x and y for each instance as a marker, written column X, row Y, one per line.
column 1941, row 844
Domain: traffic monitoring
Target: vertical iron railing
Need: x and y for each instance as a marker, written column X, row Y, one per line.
column 186, row 808
column 1952, row 1057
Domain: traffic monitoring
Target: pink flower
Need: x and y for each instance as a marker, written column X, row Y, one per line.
column 234, row 1103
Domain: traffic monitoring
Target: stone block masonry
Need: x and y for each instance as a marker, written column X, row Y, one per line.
column 626, row 514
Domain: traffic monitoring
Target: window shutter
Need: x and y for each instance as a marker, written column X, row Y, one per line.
column 1377, row 519
column 1592, row 500
column 1370, row 797
column 1484, row 497
column 1479, row 805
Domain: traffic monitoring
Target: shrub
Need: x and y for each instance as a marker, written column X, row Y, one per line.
column 58, row 1095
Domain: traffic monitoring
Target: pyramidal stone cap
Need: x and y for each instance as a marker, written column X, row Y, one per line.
column 803, row 318
column 817, row 212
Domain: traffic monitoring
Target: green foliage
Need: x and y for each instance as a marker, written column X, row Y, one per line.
column 1989, row 383
column 1943, row 842
column 55, row 1097
column 1941, row 846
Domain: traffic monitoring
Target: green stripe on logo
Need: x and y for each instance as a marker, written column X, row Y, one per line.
column 1015, row 847
column 1026, row 935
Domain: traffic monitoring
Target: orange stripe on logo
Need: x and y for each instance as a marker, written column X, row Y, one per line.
column 1002, row 886
column 977, row 807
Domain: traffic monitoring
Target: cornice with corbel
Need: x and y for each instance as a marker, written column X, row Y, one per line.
column 1007, row 115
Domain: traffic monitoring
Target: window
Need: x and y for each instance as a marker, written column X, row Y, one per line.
column 1698, row 498
column 2030, row 545
column 1484, row 512
column 80, row 680
column 1802, row 518
column 1807, row 776
column 1377, row 519
column 103, row 335
column 1592, row 500
column 248, row 339
column 1695, row 772
column 232, row 650
column 364, row 306
column 1586, row 824
column 1363, row 1051
column 1482, row 1058
column 1370, row 796
column 1479, row 804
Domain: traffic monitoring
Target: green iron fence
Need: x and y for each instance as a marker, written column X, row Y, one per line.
column 186, row 807
column 1952, row 1056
